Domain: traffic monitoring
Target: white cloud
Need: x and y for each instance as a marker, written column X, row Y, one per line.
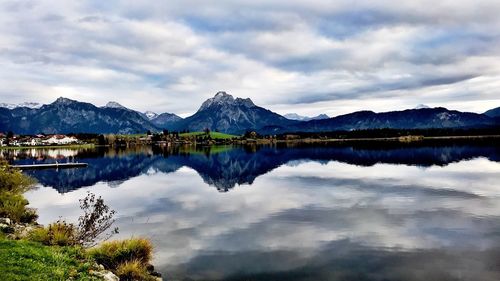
column 286, row 55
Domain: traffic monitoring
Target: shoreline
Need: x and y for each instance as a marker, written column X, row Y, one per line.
column 402, row 139
column 399, row 139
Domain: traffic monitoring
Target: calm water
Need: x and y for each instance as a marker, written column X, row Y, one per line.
column 428, row 211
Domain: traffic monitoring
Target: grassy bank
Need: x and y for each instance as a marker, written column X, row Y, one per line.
column 213, row 135
column 62, row 250
column 25, row 260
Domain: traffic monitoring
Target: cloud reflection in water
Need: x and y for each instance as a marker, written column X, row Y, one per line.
column 313, row 220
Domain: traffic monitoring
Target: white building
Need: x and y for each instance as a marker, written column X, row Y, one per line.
column 35, row 141
column 60, row 140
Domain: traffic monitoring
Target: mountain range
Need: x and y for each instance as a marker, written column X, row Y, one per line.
column 423, row 118
column 222, row 113
column 32, row 105
column 295, row 116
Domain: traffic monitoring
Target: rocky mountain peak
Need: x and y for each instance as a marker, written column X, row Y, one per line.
column 224, row 99
column 113, row 104
column 219, row 99
column 222, row 94
column 64, row 101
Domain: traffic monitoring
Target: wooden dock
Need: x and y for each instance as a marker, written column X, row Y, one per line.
column 51, row 166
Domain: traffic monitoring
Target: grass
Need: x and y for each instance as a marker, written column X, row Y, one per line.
column 24, row 260
column 133, row 270
column 114, row 253
column 50, row 254
column 59, row 233
column 118, row 136
column 213, row 135
column 129, row 258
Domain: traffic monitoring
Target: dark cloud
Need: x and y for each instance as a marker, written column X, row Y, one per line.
column 383, row 88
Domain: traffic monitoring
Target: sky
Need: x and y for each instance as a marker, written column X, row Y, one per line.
column 302, row 56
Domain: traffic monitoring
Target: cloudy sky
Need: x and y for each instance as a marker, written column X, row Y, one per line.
column 299, row 56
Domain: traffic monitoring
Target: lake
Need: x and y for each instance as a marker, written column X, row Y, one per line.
column 347, row 211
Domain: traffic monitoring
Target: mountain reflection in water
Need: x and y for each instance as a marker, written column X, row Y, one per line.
column 225, row 166
column 363, row 211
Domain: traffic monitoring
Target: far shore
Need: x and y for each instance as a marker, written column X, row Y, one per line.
column 402, row 139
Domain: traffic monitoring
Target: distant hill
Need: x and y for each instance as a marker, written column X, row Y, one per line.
column 166, row 120
column 226, row 114
column 407, row 119
column 494, row 113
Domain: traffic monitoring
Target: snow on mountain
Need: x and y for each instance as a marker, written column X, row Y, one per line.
column 150, row 115
column 113, row 104
column 295, row 116
column 421, row 106
column 32, row 105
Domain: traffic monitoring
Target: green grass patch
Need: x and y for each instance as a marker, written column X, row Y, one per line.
column 213, row 135
column 129, row 259
column 131, row 136
column 59, row 233
column 113, row 253
column 24, row 260
column 133, row 270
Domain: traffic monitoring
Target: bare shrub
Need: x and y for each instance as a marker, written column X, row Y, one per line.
column 96, row 219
